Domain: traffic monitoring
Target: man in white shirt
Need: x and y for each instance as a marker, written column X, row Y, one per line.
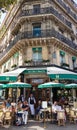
column 54, row 110
column 32, row 101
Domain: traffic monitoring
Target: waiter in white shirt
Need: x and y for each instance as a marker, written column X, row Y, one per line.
column 32, row 102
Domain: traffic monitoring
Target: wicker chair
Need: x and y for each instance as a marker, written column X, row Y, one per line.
column 61, row 118
column 7, row 117
column 67, row 109
column 1, row 117
column 72, row 116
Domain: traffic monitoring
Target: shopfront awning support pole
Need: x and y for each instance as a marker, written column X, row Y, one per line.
column 51, row 95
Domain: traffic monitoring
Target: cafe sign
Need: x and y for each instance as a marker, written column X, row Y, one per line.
column 35, row 71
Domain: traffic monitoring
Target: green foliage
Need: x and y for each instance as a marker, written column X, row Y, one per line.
column 2, row 31
column 27, row 61
column 6, row 3
column 46, row 60
column 7, row 70
column 13, row 66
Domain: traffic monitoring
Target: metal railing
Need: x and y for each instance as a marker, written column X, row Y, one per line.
column 67, row 9
column 43, row 33
column 46, row 10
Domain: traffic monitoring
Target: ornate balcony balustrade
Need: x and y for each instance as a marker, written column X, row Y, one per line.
column 47, row 10
column 43, row 33
column 75, row 68
column 67, row 9
column 65, row 65
column 35, row 63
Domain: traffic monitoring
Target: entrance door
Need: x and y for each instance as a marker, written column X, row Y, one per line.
column 55, row 98
column 38, row 93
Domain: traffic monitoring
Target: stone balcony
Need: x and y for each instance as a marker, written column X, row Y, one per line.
column 50, row 33
column 47, row 10
column 68, row 9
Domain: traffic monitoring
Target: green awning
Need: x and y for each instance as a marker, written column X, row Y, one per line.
column 37, row 49
column 2, row 86
column 11, row 75
column 74, row 58
column 50, row 85
column 72, row 86
column 16, row 54
column 59, row 73
column 35, row 71
column 17, row 85
column 62, row 53
column 63, row 76
column 8, row 78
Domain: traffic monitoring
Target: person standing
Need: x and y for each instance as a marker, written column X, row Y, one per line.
column 21, row 98
column 32, row 101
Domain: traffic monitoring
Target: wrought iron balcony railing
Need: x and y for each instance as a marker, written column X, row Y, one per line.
column 35, row 63
column 47, row 10
column 43, row 33
column 65, row 65
column 67, row 9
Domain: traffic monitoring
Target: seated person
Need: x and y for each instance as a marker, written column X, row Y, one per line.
column 54, row 110
column 8, row 104
column 19, row 106
column 38, row 109
column 4, row 108
column 25, row 108
column 19, row 109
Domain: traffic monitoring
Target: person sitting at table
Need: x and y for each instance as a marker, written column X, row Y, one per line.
column 8, row 104
column 25, row 108
column 55, row 108
column 19, row 106
column 39, row 107
column 13, row 103
column 21, row 98
column 4, row 108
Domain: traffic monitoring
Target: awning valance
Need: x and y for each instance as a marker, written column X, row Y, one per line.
column 37, row 49
column 36, row 71
column 62, row 53
column 59, row 73
column 11, row 75
column 74, row 58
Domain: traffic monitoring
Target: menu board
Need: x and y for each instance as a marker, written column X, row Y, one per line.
column 44, row 104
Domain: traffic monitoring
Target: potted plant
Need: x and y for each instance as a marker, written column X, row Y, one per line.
column 28, row 62
column 6, row 70
column 13, row 66
column 46, row 61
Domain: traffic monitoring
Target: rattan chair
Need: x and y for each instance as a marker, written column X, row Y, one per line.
column 67, row 109
column 7, row 117
column 61, row 117
column 1, row 117
column 72, row 116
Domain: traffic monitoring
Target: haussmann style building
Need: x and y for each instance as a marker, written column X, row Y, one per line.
column 36, row 37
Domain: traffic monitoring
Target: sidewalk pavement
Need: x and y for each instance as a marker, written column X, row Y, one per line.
column 37, row 125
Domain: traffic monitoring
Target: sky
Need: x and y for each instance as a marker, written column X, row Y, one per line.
column 2, row 17
column 75, row 1
column 4, row 14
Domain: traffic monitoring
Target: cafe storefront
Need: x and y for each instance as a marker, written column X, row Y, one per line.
column 36, row 77
column 39, row 75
